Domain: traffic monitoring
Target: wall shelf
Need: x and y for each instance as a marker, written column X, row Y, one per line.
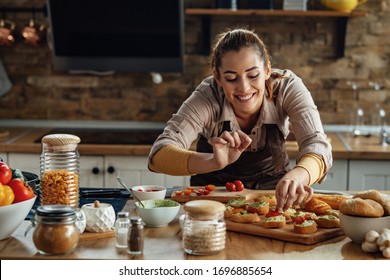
column 259, row 12
column 340, row 17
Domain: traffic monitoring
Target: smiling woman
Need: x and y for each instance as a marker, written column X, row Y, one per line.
column 241, row 116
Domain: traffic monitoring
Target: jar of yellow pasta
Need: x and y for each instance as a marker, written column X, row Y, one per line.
column 60, row 165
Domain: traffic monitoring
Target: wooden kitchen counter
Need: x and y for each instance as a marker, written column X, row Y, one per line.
column 165, row 244
column 23, row 140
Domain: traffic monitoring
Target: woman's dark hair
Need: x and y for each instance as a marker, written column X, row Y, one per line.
column 234, row 40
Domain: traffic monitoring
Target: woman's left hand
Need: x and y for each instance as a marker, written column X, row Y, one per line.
column 292, row 189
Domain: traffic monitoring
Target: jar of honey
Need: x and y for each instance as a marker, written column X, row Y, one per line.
column 60, row 164
column 56, row 232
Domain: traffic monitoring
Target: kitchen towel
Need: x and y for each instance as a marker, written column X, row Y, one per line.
column 5, row 83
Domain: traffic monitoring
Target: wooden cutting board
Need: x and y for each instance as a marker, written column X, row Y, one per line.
column 286, row 233
column 220, row 194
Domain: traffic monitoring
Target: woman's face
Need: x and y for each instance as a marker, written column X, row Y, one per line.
column 242, row 77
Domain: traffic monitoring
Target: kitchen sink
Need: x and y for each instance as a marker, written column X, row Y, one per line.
column 110, row 136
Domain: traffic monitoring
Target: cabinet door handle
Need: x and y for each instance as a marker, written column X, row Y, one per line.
column 95, row 170
column 110, row 169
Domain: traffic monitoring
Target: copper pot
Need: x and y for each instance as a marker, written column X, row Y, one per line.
column 34, row 33
column 7, row 28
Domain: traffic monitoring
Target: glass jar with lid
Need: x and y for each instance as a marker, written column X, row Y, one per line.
column 60, row 164
column 204, row 228
column 55, row 232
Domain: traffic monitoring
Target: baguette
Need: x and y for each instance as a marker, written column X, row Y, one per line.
column 317, row 206
column 307, row 227
column 361, row 207
column 377, row 196
column 327, row 221
column 334, row 200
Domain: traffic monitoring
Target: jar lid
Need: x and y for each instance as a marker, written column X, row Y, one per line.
column 136, row 220
column 55, row 211
column 204, row 207
column 61, row 142
column 123, row 214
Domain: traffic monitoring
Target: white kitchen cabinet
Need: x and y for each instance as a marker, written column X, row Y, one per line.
column 134, row 171
column 102, row 171
column 25, row 162
column 91, row 172
column 369, row 174
column 4, row 157
column 337, row 177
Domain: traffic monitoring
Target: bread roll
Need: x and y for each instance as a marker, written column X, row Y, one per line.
column 334, row 200
column 361, row 207
column 317, row 206
column 377, row 196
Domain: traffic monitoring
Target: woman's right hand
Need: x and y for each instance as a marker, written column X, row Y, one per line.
column 229, row 146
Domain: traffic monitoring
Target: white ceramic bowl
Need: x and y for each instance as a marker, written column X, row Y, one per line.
column 157, row 212
column 146, row 192
column 11, row 216
column 356, row 227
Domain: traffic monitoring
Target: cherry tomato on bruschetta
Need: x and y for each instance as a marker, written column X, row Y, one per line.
column 272, row 213
column 298, row 219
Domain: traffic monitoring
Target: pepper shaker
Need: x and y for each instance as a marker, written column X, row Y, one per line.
column 135, row 239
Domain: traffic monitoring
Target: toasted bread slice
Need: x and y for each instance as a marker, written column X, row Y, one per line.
column 327, row 221
column 307, row 227
column 271, row 199
column 274, row 222
column 245, row 217
column 259, row 207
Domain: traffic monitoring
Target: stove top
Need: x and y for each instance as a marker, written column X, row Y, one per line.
column 110, row 136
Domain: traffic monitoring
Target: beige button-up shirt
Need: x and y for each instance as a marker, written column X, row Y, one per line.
column 205, row 111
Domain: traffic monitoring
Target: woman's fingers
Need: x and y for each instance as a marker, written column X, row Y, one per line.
column 235, row 139
column 291, row 193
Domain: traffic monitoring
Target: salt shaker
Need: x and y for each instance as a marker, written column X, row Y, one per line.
column 60, row 164
column 135, row 239
column 204, row 229
column 122, row 225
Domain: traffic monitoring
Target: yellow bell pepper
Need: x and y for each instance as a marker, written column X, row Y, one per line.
column 6, row 195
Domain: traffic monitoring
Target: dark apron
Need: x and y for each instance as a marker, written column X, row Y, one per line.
column 257, row 170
